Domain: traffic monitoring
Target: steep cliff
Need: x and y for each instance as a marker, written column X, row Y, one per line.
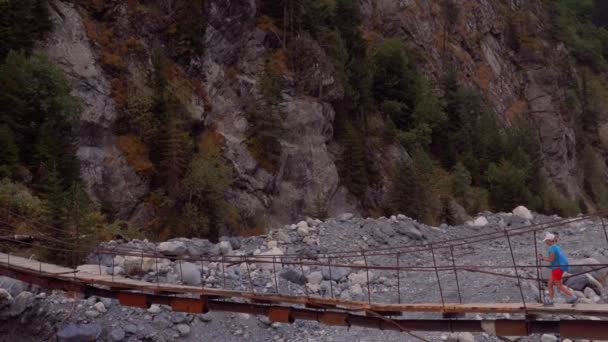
column 109, row 49
column 504, row 49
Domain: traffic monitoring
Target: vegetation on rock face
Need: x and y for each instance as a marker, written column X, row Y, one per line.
column 459, row 152
column 22, row 23
column 39, row 172
column 264, row 131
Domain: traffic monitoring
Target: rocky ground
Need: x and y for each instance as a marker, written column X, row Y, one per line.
column 32, row 315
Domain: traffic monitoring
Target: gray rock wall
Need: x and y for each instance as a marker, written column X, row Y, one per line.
column 104, row 170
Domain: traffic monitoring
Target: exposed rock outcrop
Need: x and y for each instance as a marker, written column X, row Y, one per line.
column 105, row 172
column 518, row 80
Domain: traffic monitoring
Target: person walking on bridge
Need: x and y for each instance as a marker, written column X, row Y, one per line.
column 559, row 265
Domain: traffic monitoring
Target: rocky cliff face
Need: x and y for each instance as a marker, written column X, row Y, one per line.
column 307, row 169
column 107, row 175
column 502, row 49
column 516, row 79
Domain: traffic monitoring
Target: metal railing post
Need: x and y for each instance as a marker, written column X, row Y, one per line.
column 437, row 275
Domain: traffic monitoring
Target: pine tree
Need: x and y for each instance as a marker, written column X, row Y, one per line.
column 9, row 152
column 22, row 23
column 265, row 129
column 416, row 188
column 191, row 21
column 203, row 192
column 354, row 163
column 173, row 156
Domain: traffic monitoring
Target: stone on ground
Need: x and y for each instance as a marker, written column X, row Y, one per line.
column 293, row 276
column 79, row 332
column 188, row 272
column 117, row 335
column 315, row 278
column 172, row 248
column 523, row 212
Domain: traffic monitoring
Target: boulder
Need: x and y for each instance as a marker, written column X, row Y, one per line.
column 523, row 212
column 356, row 290
column 315, row 278
column 456, row 214
column 100, row 307
column 183, row 329
column 283, row 237
column 465, row 337
column 293, row 276
column 154, row 309
column 176, row 248
column 360, row 277
column 309, row 252
column 22, row 302
column 345, row 217
column 548, row 338
column 337, row 273
column 268, row 256
column 303, row 229
column 130, row 328
column 5, row 299
column 117, row 335
column 92, row 313
column 225, row 247
column 480, row 221
column 198, row 247
column 408, row 229
column 138, row 265
column 79, row 332
column 13, row 286
column 188, row 272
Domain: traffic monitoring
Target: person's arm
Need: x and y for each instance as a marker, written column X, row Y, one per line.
column 551, row 257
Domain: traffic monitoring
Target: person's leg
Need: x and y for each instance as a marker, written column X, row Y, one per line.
column 564, row 289
column 550, row 288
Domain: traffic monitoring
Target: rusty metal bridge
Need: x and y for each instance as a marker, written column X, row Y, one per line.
column 572, row 321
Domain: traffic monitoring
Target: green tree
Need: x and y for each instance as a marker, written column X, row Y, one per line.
column 190, row 24
column 37, row 107
column 393, row 75
column 203, row 192
column 174, row 155
column 595, row 176
column 417, row 188
column 22, row 23
column 265, row 129
column 507, row 185
column 9, row 152
column 354, row 161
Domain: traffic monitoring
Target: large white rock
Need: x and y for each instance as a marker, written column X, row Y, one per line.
column 356, row 290
column 265, row 258
column 303, row 229
column 99, row 306
column 137, row 265
column 315, row 277
column 523, row 212
column 188, row 272
column 360, row 277
column 466, row 337
column 225, row 247
column 480, row 221
column 172, row 247
column 548, row 338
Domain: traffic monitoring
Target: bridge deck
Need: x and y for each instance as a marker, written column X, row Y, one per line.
column 26, row 266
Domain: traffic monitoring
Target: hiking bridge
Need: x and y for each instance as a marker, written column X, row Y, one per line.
column 588, row 321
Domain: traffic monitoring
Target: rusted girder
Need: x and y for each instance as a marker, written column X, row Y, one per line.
column 283, row 312
column 587, row 329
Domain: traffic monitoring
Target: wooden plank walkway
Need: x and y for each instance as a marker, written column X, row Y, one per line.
column 34, row 267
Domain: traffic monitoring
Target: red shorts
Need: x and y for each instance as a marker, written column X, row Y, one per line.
column 557, row 274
